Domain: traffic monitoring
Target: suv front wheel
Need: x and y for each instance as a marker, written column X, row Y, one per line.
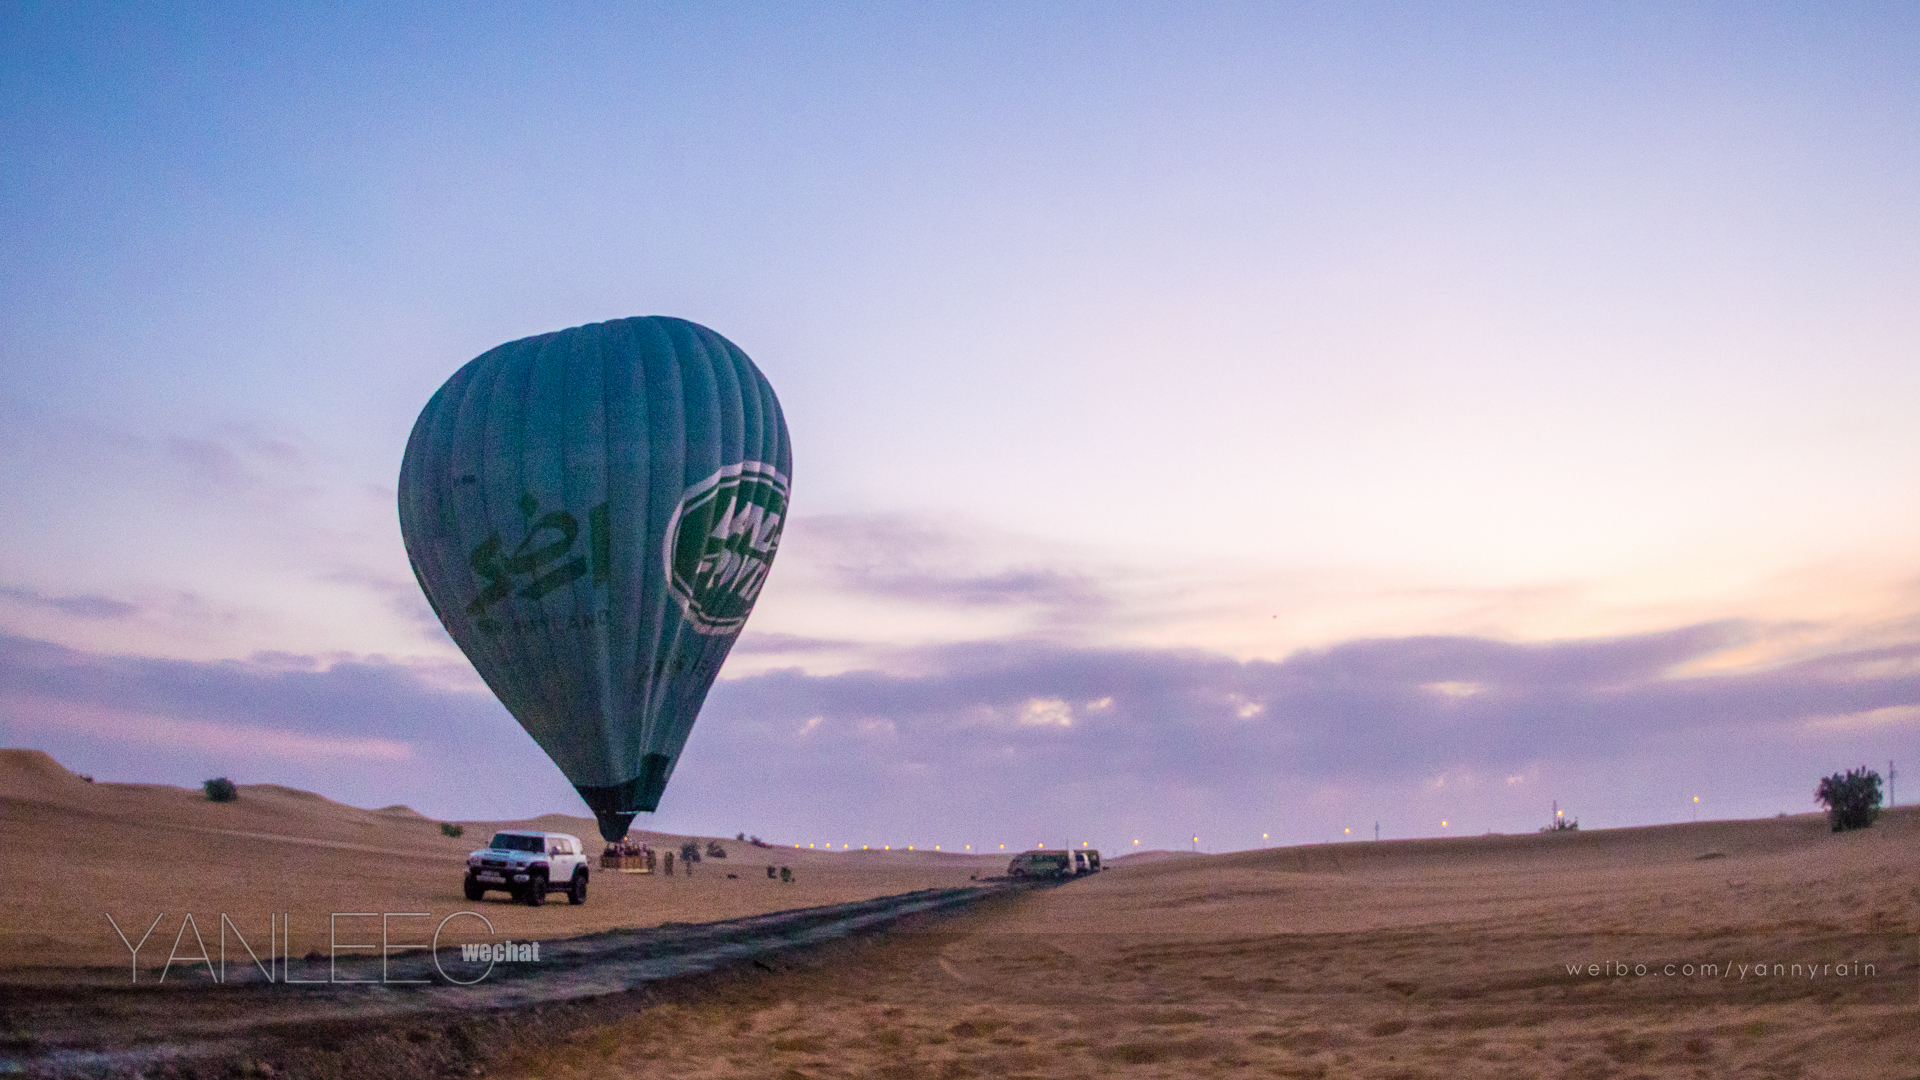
column 474, row 889
column 536, row 890
column 577, row 892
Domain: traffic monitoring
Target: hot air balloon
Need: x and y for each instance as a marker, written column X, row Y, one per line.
column 591, row 514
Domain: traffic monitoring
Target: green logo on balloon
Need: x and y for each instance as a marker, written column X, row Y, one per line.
column 721, row 541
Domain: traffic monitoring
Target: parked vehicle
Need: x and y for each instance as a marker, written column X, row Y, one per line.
column 528, row 866
column 1055, row 863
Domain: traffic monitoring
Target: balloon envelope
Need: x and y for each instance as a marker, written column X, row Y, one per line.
column 591, row 514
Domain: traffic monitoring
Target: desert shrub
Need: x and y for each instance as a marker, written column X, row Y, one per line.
column 690, row 852
column 1560, row 822
column 448, row 828
column 1852, row 798
column 221, row 789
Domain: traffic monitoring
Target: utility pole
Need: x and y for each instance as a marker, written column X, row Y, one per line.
column 1890, row 775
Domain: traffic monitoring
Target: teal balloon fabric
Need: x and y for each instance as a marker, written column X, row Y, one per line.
column 591, row 514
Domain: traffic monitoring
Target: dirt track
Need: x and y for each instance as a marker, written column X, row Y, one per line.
column 198, row 1022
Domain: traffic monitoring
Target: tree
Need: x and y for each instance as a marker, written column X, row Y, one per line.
column 1852, row 798
column 221, row 789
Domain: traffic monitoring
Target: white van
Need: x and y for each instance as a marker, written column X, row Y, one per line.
column 1055, row 863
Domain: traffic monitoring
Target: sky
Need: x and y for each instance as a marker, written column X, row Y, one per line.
column 1252, row 423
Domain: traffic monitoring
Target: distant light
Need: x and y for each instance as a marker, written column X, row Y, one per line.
column 1443, row 824
column 1136, row 843
column 1003, row 847
column 797, row 845
column 1346, row 830
column 909, row 847
column 1263, row 836
column 1696, row 798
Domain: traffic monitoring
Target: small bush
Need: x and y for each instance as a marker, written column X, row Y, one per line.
column 448, row 828
column 1560, row 822
column 690, row 852
column 1852, row 798
column 221, row 789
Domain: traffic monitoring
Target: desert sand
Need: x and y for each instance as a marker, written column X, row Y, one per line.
column 139, row 852
column 1424, row 958
column 1581, row 954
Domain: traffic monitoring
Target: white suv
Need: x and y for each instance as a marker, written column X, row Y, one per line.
column 529, row 865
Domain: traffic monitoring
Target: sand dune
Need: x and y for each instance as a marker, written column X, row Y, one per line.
column 1628, row 952
column 141, row 851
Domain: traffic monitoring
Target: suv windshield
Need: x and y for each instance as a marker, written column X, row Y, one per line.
column 510, row 842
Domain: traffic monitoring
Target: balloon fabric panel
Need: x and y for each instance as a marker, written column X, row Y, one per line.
column 591, row 514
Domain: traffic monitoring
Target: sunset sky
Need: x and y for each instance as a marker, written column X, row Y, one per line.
column 1208, row 419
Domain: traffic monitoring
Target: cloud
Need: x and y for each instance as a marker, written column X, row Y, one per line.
column 276, row 690
column 364, row 730
column 237, row 459
column 929, row 561
column 1045, row 712
column 87, row 606
column 754, row 642
column 212, row 462
column 231, row 740
column 225, row 539
column 1024, row 735
column 1012, row 724
column 401, row 596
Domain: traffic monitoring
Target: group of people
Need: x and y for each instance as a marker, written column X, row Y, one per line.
column 616, row 854
column 620, row 851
